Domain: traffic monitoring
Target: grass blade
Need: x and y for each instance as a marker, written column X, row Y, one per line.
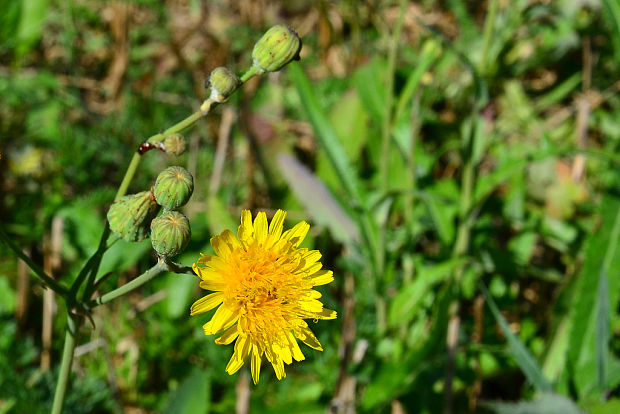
column 522, row 356
column 603, row 320
column 325, row 134
column 613, row 15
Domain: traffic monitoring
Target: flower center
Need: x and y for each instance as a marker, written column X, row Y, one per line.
column 263, row 286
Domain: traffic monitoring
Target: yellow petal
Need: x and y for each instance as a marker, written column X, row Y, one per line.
column 215, row 285
column 230, row 335
column 296, row 351
column 312, row 269
column 242, row 349
column 311, row 305
column 277, row 224
column 284, row 352
column 224, row 317
column 212, row 262
column 276, row 362
column 322, row 277
column 206, row 303
column 256, row 360
column 314, row 294
column 220, row 247
column 306, row 336
column 260, row 227
column 308, row 260
column 297, row 234
column 229, row 238
column 327, row 314
column 207, row 274
column 246, row 229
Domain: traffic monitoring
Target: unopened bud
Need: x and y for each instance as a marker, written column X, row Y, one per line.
column 130, row 215
column 173, row 187
column 223, row 82
column 278, row 46
column 175, row 144
column 170, row 233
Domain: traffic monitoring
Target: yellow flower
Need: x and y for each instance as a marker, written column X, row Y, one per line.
column 263, row 284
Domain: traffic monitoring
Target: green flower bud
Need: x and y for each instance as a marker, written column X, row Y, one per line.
column 170, row 233
column 175, row 144
column 129, row 216
column 223, row 82
column 278, row 46
column 173, row 187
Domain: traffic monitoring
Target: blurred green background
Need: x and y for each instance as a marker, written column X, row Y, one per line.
column 458, row 161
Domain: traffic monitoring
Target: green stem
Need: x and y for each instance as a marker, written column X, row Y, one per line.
column 135, row 161
column 411, row 165
column 145, row 277
column 386, row 129
column 389, row 98
column 179, row 126
column 129, row 173
column 488, row 33
column 49, row 282
column 90, row 269
column 249, row 73
column 65, row 365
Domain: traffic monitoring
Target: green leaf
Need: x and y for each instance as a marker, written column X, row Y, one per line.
column 350, row 123
column 443, row 215
column 612, row 15
column 395, row 378
column 602, row 256
column 608, row 407
column 520, row 353
column 8, row 298
column 368, row 81
column 603, row 321
column 33, row 14
column 192, row 396
column 430, row 52
column 410, row 296
column 325, row 135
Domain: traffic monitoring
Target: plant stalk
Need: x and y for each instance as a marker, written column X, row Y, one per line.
column 65, row 365
column 160, row 267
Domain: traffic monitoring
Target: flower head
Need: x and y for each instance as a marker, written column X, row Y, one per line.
column 263, row 284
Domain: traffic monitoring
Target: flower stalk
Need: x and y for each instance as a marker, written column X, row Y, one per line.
column 77, row 297
column 65, row 365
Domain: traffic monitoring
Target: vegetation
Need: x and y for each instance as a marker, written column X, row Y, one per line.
column 458, row 162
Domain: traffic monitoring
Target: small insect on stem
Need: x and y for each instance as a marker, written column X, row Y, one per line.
column 147, row 146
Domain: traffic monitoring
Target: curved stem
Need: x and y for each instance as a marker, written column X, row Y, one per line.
column 249, row 73
column 131, row 171
column 160, row 267
column 65, row 366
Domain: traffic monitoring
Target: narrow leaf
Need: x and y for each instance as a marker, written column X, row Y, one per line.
column 520, row 353
column 603, row 320
column 325, row 134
